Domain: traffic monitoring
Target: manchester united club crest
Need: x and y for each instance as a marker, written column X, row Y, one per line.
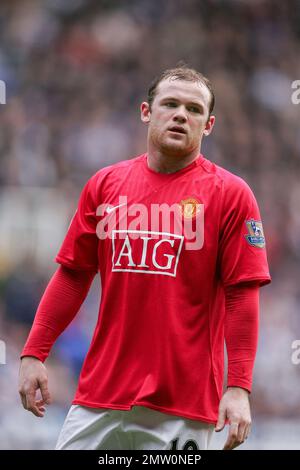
column 255, row 236
column 190, row 207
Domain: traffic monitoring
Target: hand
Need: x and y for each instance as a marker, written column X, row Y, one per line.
column 235, row 407
column 32, row 377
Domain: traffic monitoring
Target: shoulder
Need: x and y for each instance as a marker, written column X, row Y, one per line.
column 233, row 186
column 115, row 171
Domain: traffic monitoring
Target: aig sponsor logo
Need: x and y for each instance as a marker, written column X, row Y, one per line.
column 143, row 251
column 185, row 219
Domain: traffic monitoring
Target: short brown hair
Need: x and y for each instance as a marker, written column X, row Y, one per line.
column 181, row 72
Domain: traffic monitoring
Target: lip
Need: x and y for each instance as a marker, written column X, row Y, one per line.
column 177, row 130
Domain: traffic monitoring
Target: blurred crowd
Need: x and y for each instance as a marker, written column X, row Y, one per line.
column 75, row 74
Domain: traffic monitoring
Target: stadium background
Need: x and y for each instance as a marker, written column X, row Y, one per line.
column 75, row 75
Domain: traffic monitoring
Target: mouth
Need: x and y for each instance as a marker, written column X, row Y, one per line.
column 177, row 130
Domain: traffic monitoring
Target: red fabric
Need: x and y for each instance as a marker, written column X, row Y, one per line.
column 241, row 333
column 61, row 301
column 159, row 339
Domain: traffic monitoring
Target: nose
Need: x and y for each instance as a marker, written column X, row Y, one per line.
column 180, row 114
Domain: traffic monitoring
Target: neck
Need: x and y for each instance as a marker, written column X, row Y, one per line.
column 166, row 163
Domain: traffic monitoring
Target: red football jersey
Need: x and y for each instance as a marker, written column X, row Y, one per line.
column 159, row 338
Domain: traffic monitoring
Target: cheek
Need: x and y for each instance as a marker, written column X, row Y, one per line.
column 155, row 130
column 195, row 130
column 158, row 123
column 198, row 129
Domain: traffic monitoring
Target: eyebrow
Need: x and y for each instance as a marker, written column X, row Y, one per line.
column 171, row 98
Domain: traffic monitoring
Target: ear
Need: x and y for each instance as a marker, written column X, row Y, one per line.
column 145, row 112
column 209, row 125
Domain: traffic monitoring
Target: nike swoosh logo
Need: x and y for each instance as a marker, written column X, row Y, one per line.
column 112, row 208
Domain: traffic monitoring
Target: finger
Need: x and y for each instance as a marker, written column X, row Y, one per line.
column 31, row 405
column 30, row 398
column 23, row 399
column 241, row 432
column 228, row 444
column 44, row 391
column 241, row 436
column 40, row 405
column 247, row 431
column 232, row 436
column 34, row 410
column 221, row 420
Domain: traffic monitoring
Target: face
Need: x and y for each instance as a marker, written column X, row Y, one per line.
column 178, row 118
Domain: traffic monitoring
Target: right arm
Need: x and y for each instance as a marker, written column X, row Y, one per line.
column 60, row 303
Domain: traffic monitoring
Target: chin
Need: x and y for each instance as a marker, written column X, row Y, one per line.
column 174, row 149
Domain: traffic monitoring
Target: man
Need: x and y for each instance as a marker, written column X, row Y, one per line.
column 172, row 236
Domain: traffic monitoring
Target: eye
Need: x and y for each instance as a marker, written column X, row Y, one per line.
column 194, row 109
column 170, row 104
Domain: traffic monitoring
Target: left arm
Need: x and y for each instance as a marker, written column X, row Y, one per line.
column 241, row 336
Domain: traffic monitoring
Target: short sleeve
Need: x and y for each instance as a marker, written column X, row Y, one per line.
column 242, row 247
column 79, row 249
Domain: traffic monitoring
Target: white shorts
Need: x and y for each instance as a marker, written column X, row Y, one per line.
column 137, row 429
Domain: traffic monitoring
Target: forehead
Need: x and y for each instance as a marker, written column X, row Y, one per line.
column 183, row 90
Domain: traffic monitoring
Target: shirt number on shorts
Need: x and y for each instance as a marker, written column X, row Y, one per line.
column 189, row 445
